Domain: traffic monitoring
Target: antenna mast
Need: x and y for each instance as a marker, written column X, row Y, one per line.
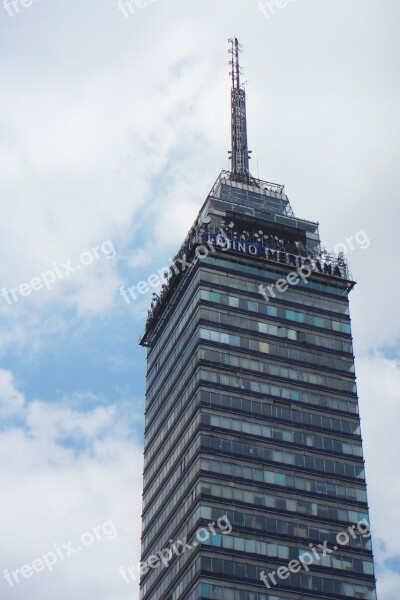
column 240, row 154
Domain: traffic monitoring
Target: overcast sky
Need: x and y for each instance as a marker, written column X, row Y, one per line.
column 113, row 128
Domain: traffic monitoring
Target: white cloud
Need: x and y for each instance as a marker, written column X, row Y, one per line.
column 66, row 471
column 79, row 164
column 379, row 391
column 11, row 400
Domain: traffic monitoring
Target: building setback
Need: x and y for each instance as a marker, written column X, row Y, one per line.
column 251, row 406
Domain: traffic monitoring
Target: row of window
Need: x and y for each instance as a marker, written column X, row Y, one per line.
column 324, row 511
column 173, row 330
column 168, row 476
column 173, row 350
column 297, row 296
column 244, row 384
column 269, row 327
column 257, row 499
column 178, row 321
column 272, row 370
column 170, row 355
column 315, row 442
column 258, row 366
column 175, row 324
column 156, row 395
column 212, row 591
column 323, row 322
column 244, row 323
column 166, row 411
column 184, row 351
column 165, row 458
column 228, row 569
column 282, row 479
column 173, row 428
column 165, row 407
column 272, row 411
column 167, row 576
column 268, row 274
column 159, row 500
column 271, row 527
column 260, row 475
column 292, row 354
column 299, row 461
column 165, row 525
column 269, row 389
column 271, row 551
column 162, row 538
column 257, row 408
column 290, row 315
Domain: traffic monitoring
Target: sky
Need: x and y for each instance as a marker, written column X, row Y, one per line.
column 114, row 125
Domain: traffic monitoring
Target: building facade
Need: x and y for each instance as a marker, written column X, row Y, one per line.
column 251, row 407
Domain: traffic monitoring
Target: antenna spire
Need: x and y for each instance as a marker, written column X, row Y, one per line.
column 240, row 153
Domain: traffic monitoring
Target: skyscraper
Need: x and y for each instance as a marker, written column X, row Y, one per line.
column 252, row 407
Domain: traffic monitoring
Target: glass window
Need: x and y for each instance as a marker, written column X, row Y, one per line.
column 273, row 329
column 216, row 540
column 205, row 334
column 272, row 550
column 250, row 545
column 206, row 590
column 255, row 386
column 368, row 568
column 283, row 552
column 228, row 542
column 239, row 544
column 262, row 327
column 269, row 477
column 224, row 338
column 233, row 301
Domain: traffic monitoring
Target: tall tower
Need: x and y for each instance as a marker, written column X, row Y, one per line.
column 240, row 154
column 252, row 411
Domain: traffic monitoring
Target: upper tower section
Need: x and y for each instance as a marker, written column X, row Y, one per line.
column 246, row 219
column 239, row 154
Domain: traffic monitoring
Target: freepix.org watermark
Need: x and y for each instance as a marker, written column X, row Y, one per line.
column 58, row 272
column 177, row 548
column 128, row 7
column 304, row 272
column 14, row 6
column 281, row 285
column 61, row 552
column 269, row 7
column 360, row 239
column 178, row 265
column 317, row 553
